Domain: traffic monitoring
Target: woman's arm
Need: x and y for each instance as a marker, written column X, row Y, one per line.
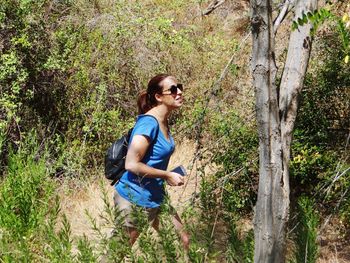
column 136, row 152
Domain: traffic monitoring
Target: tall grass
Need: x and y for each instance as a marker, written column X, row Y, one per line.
column 25, row 192
column 31, row 227
column 240, row 248
column 25, row 199
column 306, row 232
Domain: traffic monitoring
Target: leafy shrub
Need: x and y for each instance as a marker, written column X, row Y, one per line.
column 235, row 156
column 318, row 153
column 311, row 164
column 31, row 226
column 28, row 89
column 323, row 117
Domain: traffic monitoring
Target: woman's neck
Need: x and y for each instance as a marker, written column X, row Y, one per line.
column 160, row 113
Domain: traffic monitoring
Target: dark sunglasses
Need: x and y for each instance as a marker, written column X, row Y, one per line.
column 173, row 89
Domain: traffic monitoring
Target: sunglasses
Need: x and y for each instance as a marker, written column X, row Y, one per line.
column 173, row 89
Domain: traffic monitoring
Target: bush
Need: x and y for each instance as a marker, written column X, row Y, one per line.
column 31, row 226
column 28, row 87
column 311, row 165
column 235, row 156
column 27, row 201
column 319, row 159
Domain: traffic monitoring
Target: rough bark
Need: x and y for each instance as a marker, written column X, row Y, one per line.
column 275, row 119
column 264, row 71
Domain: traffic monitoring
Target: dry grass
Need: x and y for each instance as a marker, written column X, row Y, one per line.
column 332, row 257
column 84, row 198
column 183, row 155
column 335, row 246
column 89, row 196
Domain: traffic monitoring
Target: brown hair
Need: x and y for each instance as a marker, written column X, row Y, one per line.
column 146, row 99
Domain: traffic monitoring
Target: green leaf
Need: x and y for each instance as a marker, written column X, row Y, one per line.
column 295, row 25
column 309, row 15
column 305, row 19
column 300, row 21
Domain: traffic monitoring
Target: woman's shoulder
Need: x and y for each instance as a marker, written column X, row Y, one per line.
column 145, row 121
column 148, row 119
column 146, row 125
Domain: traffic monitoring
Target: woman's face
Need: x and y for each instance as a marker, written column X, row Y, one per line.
column 171, row 93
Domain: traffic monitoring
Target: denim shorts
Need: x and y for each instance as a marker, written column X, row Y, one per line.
column 132, row 215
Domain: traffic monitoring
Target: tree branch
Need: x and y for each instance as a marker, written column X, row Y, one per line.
column 296, row 65
column 215, row 4
column 286, row 7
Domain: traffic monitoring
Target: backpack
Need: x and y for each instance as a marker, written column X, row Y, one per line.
column 115, row 157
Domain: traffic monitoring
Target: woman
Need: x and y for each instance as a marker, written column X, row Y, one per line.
column 150, row 148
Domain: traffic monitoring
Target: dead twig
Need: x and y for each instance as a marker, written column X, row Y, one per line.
column 215, row 4
column 286, row 7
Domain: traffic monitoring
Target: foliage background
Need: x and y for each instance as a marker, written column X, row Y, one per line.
column 70, row 72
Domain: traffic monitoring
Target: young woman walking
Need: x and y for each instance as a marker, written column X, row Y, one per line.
column 150, row 148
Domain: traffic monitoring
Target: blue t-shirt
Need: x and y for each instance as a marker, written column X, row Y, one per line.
column 147, row 192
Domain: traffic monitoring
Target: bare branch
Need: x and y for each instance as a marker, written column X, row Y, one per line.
column 286, row 7
column 215, row 4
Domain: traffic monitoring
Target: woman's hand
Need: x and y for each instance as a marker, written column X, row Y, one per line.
column 174, row 179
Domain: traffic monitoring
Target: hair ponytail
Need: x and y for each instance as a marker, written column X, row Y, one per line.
column 143, row 102
column 146, row 99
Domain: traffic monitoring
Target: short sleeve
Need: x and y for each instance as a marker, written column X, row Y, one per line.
column 146, row 125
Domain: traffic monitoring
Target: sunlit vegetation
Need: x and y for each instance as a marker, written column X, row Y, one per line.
column 70, row 72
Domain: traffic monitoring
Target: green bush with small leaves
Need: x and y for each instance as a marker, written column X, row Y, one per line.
column 235, row 154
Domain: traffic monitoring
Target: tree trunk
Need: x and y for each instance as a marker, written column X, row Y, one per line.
column 275, row 120
column 268, row 217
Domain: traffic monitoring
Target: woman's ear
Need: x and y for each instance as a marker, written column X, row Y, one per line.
column 158, row 97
